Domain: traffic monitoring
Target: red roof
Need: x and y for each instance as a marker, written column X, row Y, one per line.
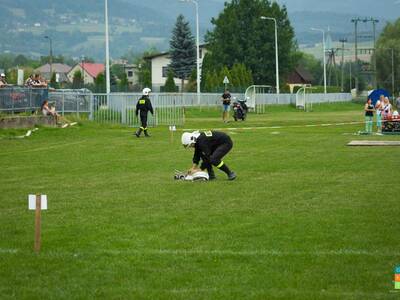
column 92, row 69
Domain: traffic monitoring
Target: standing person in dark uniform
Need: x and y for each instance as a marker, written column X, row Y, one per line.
column 226, row 105
column 210, row 147
column 144, row 106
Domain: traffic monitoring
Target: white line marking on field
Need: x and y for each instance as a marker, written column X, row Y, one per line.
column 205, row 252
column 44, row 148
column 278, row 127
column 8, row 251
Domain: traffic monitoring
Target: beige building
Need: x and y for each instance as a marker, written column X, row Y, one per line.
column 159, row 68
column 131, row 74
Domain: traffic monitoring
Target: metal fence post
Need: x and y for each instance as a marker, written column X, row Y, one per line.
column 77, row 107
column 91, row 104
column 62, row 103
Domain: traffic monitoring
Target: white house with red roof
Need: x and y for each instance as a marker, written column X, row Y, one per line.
column 89, row 70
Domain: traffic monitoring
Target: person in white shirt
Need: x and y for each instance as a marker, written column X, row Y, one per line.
column 387, row 108
column 379, row 108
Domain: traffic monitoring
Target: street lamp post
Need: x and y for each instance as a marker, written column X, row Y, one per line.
column 51, row 55
column 197, row 47
column 324, row 54
column 276, row 52
column 107, row 49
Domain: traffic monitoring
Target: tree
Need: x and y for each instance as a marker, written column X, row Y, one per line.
column 312, row 65
column 192, row 84
column 123, row 83
column 100, row 83
column 388, row 40
column 20, row 60
column 77, row 81
column 6, row 61
column 239, row 77
column 170, row 86
column 182, row 50
column 118, row 70
column 241, row 36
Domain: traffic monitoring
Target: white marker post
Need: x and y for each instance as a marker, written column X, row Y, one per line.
column 37, row 202
column 172, row 128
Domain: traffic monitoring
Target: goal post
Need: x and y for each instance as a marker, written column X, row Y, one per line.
column 256, row 97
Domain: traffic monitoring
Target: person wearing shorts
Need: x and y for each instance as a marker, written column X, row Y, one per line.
column 226, row 105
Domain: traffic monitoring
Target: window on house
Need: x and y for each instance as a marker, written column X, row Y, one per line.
column 130, row 73
column 200, row 53
column 165, row 72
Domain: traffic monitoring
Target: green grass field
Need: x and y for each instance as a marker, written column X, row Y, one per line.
column 307, row 218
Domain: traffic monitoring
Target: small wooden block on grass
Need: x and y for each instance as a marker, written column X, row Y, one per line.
column 374, row 143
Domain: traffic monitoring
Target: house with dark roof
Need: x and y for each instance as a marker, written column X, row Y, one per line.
column 299, row 77
column 89, row 71
column 61, row 71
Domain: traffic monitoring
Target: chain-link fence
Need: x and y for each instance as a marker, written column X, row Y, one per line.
column 20, row 99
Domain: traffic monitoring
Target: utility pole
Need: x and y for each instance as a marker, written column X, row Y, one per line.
column 393, row 92
column 355, row 21
column 374, row 53
column 343, row 41
column 51, row 55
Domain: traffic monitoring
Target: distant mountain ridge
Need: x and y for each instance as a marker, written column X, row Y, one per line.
column 77, row 28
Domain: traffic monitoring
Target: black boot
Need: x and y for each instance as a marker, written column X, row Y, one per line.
column 138, row 132
column 231, row 175
column 146, row 134
column 211, row 174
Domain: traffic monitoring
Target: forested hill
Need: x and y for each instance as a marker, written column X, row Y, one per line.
column 77, row 27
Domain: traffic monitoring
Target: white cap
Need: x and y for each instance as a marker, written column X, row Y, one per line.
column 3, row 75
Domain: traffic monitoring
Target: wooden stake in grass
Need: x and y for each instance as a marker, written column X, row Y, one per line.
column 37, row 202
column 37, row 223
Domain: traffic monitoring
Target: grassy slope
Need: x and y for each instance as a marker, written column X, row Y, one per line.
column 308, row 217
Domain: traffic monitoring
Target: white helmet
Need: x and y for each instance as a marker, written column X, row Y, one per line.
column 189, row 138
column 146, row 91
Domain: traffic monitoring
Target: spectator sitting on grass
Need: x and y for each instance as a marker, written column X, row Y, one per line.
column 49, row 111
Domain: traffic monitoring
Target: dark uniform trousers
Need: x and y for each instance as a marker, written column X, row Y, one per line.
column 143, row 120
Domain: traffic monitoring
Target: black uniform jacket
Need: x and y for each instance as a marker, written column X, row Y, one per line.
column 207, row 143
column 144, row 105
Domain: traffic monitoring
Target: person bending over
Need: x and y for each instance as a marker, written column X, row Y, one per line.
column 210, row 147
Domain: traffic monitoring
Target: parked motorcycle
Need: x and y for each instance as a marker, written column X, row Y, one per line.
column 240, row 109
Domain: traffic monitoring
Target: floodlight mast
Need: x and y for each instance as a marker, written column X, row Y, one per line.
column 108, row 90
column 324, row 54
column 276, row 52
column 197, row 47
